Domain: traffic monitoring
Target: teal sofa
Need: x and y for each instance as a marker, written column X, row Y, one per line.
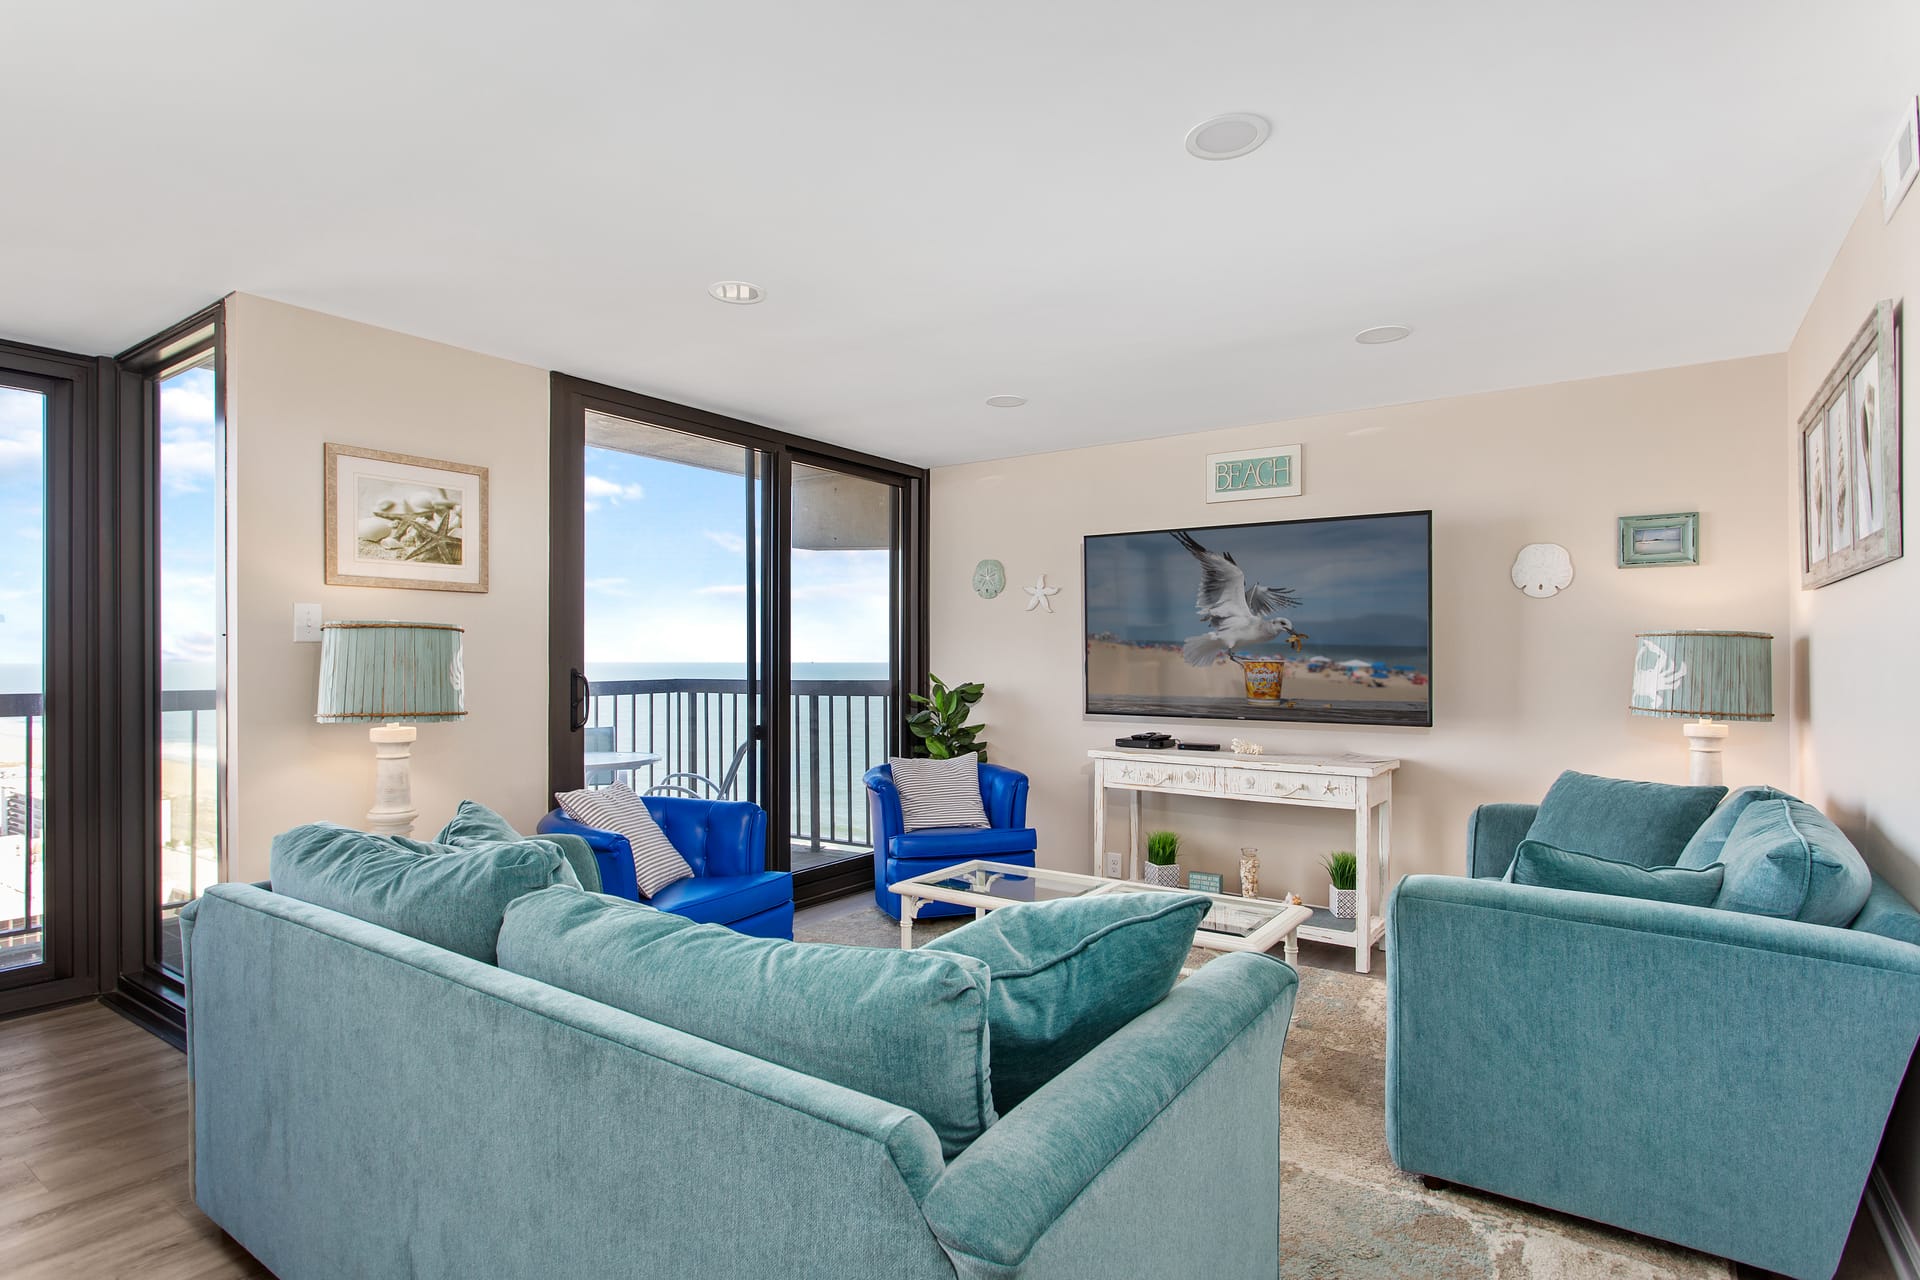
column 367, row 1104
column 1701, row 1076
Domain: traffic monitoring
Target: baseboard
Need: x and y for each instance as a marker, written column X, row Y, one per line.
column 1895, row 1232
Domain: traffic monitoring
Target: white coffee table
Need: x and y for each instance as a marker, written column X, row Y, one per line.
column 1233, row 924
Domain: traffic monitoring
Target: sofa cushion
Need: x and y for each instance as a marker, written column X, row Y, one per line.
column 1070, row 973
column 939, row 793
column 1785, row 859
column 1704, row 849
column 1645, row 823
column 908, row 1027
column 452, row 898
column 656, row 863
column 724, row 899
column 1887, row 914
column 957, row 843
column 475, row 824
column 1544, row 866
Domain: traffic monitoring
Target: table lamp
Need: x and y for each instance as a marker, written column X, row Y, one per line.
column 1706, row 678
column 391, row 676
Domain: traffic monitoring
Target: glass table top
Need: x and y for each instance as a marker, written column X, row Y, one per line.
column 1015, row 884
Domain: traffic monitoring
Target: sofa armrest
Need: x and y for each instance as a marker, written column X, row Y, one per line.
column 1725, row 1078
column 1494, row 832
column 611, row 853
column 884, row 801
column 1207, row 1058
column 1003, row 792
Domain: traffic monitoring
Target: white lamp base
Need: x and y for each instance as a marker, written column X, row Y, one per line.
column 393, row 812
column 1706, row 740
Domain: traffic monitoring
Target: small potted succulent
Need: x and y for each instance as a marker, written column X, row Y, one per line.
column 1163, row 859
column 1343, row 872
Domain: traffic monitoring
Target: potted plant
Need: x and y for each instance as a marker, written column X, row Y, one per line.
column 1163, row 859
column 940, row 727
column 1343, row 871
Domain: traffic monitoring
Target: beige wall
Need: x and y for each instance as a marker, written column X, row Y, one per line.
column 1523, row 687
column 1853, row 726
column 295, row 380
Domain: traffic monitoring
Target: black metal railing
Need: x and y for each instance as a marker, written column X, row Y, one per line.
column 839, row 731
column 24, row 816
column 185, row 718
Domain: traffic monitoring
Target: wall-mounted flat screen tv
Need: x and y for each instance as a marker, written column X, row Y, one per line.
column 1328, row 621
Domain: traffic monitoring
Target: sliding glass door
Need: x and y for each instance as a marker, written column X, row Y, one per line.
column 735, row 614
column 671, row 702
column 24, row 927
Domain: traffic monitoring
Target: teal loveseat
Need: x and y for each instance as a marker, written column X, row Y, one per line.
column 367, row 1104
column 1701, row 1076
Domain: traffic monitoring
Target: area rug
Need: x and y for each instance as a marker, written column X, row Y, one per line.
column 1346, row 1213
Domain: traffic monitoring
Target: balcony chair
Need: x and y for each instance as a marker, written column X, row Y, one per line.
column 899, row 853
column 721, row 790
column 725, row 842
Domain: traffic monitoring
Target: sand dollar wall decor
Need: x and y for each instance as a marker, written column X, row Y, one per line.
column 989, row 579
column 1542, row 569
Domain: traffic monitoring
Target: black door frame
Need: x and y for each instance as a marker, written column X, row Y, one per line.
column 76, row 826
column 572, row 398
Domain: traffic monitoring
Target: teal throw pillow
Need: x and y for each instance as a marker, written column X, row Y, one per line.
column 1705, row 848
column 1785, row 859
column 475, row 824
column 1068, row 974
column 1544, row 866
column 452, row 898
column 1645, row 823
column 908, row 1027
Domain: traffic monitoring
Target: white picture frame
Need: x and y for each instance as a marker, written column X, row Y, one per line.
column 1245, row 475
column 1850, row 458
column 395, row 520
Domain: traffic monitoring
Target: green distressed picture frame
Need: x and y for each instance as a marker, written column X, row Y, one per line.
column 1646, row 541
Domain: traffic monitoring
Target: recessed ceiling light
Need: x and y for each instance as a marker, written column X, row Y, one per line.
column 1381, row 333
column 1006, row 402
column 738, row 292
column 1228, row 137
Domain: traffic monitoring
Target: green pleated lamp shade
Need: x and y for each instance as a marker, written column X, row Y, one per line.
column 390, row 672
column 1703, row 675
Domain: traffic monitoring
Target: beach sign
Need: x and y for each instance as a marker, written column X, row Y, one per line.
column 1254, row 473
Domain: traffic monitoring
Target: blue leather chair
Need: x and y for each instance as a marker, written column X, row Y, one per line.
column 725, row 842
column 899, row 853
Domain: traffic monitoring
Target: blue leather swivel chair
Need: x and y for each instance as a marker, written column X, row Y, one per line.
column 899, row 853
column 725, row 842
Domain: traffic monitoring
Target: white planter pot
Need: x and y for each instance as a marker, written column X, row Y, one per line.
column 1343, row 902
column 1167, row 876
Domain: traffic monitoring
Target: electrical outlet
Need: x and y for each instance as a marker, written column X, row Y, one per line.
column 306, row 624
column 1113, row 866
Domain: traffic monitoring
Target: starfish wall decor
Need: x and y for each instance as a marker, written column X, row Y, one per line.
column 1038, row 593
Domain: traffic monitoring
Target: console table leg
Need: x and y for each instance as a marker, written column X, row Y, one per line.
column 1133, row 835
column 1099, row 820
column 1362, row 883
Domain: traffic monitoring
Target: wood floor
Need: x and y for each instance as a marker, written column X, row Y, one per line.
column 93, row 1155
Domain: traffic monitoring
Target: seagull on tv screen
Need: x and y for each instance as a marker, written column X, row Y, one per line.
column 1237, row 615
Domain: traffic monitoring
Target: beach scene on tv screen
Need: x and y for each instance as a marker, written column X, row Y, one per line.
column 1319, row 620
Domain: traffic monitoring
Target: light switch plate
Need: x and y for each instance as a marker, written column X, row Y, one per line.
column 306, row 624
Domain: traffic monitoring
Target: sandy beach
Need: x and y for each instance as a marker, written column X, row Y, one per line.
column 1137, row 669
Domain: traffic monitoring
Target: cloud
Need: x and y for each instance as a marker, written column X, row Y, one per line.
column 187, row 401
column 21, row 430
column 186, row 458
column 599, row 488
column 190, row 646
column 730, row 542
column 722, row 589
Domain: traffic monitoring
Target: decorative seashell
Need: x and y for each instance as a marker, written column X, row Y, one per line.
column 989, row 579
column 1542, row 569
column 1241, row 747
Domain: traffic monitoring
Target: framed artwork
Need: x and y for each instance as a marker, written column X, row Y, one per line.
column 393, row 520
column 1651, row 540
column 1850, row 458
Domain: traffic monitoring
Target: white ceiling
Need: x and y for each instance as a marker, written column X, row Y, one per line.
column 948, row 201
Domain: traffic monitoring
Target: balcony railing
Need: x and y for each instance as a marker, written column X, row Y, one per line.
column 185, row 721
column 839, row 731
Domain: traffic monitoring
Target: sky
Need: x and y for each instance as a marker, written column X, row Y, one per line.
column 1359, row 581
column 667, row 578
column 189, row 529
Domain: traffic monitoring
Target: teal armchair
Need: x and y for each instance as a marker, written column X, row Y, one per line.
column 1718, row 1080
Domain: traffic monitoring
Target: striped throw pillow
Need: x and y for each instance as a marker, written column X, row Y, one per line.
column 656, row 863
column 939, row 793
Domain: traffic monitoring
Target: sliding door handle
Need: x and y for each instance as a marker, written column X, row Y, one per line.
column 580, row 697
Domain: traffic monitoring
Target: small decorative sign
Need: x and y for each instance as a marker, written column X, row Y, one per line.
column 1203, row 882
column 1254, row 473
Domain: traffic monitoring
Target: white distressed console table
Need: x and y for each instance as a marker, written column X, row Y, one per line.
column 1362, row 784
